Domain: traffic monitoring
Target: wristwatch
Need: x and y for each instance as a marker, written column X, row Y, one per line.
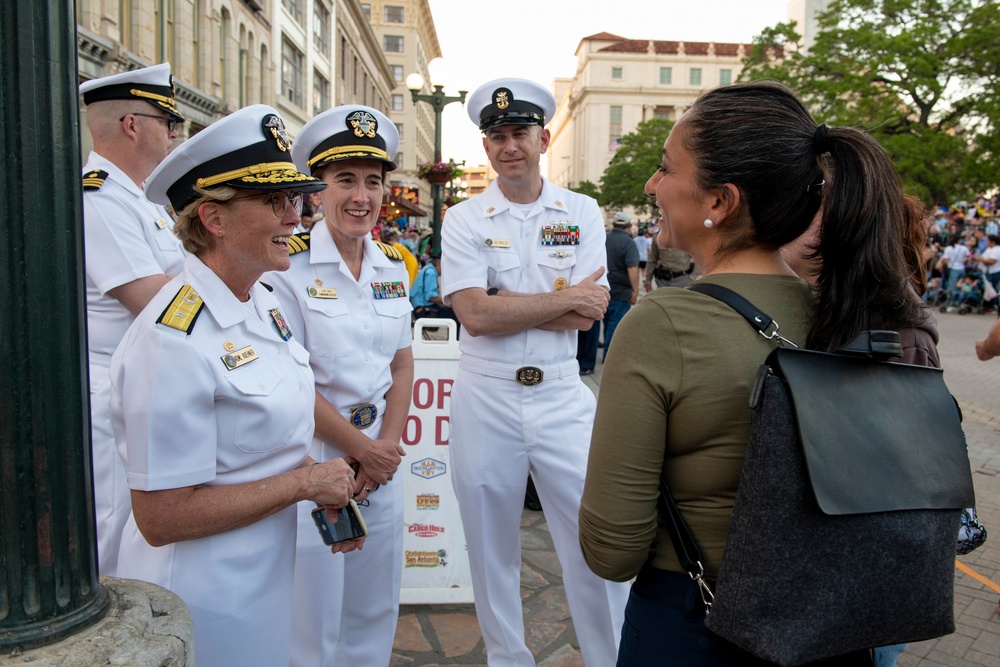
column 492, row 291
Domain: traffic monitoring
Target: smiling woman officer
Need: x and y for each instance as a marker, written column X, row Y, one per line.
column 212, row 398
column 348, row 295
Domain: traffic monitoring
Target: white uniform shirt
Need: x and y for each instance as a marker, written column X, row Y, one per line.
column 183, row 417
column 126, row 237
column 488, row 242
column 353, row 336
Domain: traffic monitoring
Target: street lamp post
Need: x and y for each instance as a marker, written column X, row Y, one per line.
column 438, row 101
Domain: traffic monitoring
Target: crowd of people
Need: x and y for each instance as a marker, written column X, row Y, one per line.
column 250, row 355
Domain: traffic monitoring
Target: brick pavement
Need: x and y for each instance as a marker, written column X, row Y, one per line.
column 433, row 635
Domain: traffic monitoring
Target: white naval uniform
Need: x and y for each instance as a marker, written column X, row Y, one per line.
column 346, row 605
column 501, row 430
column 126, row 237
column 182, row 417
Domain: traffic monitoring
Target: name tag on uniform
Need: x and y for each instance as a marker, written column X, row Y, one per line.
column 389, row 290
column 497, row 243
column 560, row 234
column 161, row 223
column 321, row 292
column 239, row 358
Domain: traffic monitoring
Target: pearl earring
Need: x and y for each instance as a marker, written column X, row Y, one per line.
column 708, row 223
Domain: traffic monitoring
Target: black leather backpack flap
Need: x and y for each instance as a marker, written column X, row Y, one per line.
column 877, row 436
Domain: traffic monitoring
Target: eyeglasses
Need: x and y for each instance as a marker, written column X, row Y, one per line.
column 279, row 202
column 169, row 120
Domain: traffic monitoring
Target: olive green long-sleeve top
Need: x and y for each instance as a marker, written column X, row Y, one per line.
column 674, row 401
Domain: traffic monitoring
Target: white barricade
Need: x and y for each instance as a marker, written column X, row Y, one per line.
column 435, row 563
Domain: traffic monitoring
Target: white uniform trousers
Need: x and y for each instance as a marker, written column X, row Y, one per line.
column 112, row 499
column 346, row 605
column 499, row 431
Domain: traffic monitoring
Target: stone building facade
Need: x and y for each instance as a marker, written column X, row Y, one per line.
column 621, row 82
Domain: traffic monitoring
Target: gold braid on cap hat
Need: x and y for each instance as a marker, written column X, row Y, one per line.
column 252, row 170
column 349, row 152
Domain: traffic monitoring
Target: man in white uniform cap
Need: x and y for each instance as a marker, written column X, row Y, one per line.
column 131, row 252
column 523, row 267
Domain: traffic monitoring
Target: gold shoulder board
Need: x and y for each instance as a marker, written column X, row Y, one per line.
column 298, row 243
column 93, row 180
column 389, row 251
column 183, row 310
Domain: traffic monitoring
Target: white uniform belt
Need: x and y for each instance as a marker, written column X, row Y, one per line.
column 526, row 375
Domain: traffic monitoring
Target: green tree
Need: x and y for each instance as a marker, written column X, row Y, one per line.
column 638, row 157
column 588, row 188
column 923, row 76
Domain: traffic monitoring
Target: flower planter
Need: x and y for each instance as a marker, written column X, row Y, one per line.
column 438, row 178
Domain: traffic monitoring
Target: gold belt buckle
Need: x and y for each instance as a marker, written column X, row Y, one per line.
column 364, row 416
column 529, row 376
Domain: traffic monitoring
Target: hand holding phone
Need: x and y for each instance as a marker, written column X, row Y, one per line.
column 350, row 524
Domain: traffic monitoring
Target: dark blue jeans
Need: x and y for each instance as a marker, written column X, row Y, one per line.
column 665, row 627
column 616, row 311
column 586, row 347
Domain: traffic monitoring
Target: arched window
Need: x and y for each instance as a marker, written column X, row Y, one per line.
column 243, row 67
column 265, row 75
column 225, row 28
column 163, row 32
column 197, row 14
column 125, row 23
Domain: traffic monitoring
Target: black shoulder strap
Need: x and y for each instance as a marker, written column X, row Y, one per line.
column 756, row 317
column 763, row 323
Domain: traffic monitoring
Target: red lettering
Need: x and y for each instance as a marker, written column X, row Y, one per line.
column 442, row 430
column 428, row 388
column 444, row 391
column 412, row 430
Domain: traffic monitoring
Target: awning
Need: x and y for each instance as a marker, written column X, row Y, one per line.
column 402, row 207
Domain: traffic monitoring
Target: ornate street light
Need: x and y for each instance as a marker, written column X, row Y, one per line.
column 438, row 101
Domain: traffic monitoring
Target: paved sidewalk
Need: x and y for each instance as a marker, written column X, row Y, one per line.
column 434, row 635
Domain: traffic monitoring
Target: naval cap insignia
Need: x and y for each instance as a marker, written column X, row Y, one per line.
column 363, row 124
column 277, row 128
column 502, row 98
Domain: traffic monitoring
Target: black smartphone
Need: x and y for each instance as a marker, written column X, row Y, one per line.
column 350, row 524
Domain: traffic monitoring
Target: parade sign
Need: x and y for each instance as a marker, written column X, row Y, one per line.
column 435, row 563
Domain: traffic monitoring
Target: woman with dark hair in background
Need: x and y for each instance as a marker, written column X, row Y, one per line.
column 744, row 172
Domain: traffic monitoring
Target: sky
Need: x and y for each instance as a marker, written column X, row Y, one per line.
column 483, row 40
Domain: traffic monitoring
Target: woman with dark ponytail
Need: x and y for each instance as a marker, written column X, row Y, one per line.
column 744, row 172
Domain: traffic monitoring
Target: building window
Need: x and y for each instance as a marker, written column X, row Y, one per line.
column 725, row 76
column 367, row 9
column 399, row 158
column 695, row 76
column 392, row 43
column 291, row 72
column 399, row 128
column 294, row 7
column 343, row 59
column 321, row 93
column 666, row 75
column 615, row 129
column 392, row 14
column 397, row 73
column 321, row 28
column 397, row 102
column 355, row 78
column 616, row 72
